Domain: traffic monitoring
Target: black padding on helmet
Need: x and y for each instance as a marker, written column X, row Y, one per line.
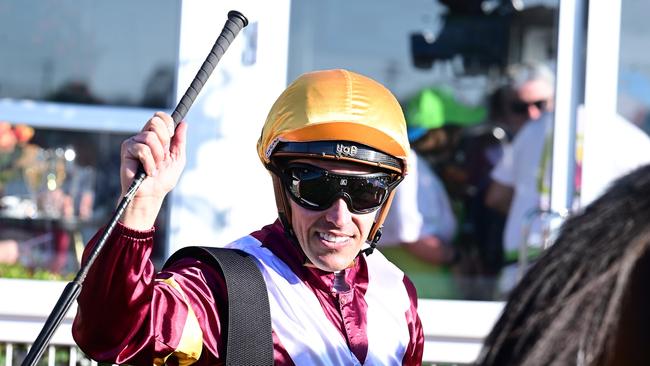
column 338, row 149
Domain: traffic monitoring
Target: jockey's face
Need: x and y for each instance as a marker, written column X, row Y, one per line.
column 332, row 238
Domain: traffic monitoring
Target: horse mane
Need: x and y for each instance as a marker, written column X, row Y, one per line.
column 583, row 302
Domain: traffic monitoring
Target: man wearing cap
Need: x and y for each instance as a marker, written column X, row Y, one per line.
column 336, row 147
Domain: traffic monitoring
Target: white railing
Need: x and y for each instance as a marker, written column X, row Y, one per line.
column 24, row 307
column 454, row 330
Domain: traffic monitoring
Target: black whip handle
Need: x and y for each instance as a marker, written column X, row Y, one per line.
column 236, row 21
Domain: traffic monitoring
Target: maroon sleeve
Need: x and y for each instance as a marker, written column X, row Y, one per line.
column 128, row 314
column 414, row 351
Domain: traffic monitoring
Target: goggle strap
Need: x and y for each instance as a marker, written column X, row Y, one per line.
column 284, row 209
column 375, row 230
column 372, row 243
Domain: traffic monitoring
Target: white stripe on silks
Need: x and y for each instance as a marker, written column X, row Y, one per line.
column 388, row 303
column 307, row 335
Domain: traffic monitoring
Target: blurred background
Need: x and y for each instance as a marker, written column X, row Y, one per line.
column 79, row 77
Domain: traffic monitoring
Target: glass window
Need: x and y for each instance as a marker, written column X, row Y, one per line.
column 83, row 63
column 634, row 64
column 120, row 52
column 58, row 189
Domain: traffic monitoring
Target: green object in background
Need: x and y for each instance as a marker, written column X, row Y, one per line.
column 425, row 110
column 431, row 282
column 19, row 271
column 433, row 108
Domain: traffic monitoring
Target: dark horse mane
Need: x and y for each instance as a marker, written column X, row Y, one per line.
column 585, row 301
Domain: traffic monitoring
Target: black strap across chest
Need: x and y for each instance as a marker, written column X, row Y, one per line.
column 249, row 337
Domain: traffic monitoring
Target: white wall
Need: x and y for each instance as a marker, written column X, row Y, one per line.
column 225, row 192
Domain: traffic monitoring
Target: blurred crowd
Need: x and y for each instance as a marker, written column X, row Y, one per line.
column 475, row 202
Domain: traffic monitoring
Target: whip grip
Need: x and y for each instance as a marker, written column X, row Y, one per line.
column 234, row 24
column 236, row 21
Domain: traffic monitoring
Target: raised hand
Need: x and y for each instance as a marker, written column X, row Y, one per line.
column 161, row 151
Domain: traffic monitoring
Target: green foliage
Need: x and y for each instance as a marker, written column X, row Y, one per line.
column 20, row 271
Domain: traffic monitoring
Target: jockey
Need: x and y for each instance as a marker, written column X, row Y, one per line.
column 335, row 144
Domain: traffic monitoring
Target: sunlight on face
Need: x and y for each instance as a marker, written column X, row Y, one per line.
column 331, row 238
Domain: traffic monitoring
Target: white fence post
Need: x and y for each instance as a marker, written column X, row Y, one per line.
column 9, row 351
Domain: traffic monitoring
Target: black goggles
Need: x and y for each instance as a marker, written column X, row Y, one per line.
column 521, row 107
column 316, row 189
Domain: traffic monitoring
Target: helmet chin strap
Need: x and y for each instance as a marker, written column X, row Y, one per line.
column 284, row 213
column 375, row 230
column 283, row 206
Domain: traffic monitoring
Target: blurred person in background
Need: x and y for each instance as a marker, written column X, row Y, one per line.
column 420, row 229
column 521, row 179
column 527, row 92
column 526, row 96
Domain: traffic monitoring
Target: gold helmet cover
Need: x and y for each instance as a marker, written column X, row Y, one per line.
column 337, row 106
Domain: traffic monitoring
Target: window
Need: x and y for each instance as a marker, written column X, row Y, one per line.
column 634, row 64
column 84, row 75
column 119, row 53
